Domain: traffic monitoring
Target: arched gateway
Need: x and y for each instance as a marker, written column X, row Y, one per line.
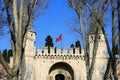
column 61, row 71
column 59, row 77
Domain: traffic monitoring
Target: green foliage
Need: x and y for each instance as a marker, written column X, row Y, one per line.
column 10, row 53
column 7, row 54
column 49, row 42
column 77, row 44
column 72, row 46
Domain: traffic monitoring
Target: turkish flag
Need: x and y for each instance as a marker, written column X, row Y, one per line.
column 59, row 38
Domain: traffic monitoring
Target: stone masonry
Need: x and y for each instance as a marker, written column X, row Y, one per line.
column 41, row 65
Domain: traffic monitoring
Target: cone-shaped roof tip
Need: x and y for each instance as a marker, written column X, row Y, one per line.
column 30, row 27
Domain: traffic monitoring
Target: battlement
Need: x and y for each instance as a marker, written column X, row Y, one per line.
column 60, row 53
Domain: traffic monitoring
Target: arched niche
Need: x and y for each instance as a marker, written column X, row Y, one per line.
column 61, row 68
column 59, row 77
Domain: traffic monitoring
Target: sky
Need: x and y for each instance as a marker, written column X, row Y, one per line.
column 54, row 21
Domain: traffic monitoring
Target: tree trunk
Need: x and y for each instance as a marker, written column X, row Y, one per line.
column 12, row 78
column 119, row 25
column 114, row 49
column 106, row 76
column 23, row 68
column 114, row 68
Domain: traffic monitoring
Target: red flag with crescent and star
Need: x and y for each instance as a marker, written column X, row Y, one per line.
column 59, row 38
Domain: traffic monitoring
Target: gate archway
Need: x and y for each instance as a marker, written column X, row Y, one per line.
column 59, row 77
column 61, row 69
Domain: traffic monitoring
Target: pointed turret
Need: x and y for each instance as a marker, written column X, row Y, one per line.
column 94, row 22
column 30, row 40
column 30, row 27
column 91, row 37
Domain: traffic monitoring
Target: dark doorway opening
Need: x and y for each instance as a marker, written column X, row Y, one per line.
column 59, row 77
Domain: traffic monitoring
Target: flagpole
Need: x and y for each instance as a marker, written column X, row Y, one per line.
column 61, row 46
column 59, row 38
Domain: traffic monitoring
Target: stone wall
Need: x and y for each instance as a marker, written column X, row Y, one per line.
column 38, row 66
column 41, row 65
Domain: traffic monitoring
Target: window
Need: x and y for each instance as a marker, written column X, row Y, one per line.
column 91, row 37
column 99, row 37
column 31, row 35
column 59, row 77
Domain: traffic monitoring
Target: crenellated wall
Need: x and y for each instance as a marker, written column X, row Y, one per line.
column 59, row 51
column 66, row 54
column 48, row 65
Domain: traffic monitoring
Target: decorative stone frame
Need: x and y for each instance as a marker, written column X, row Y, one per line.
column 61, row 68
column 60, row 71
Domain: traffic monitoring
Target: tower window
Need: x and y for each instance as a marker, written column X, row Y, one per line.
column 99, row 37
column 31, row 35
column 91, row 37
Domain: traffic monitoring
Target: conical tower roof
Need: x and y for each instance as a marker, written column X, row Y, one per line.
column 94, row 23
column 30, row 27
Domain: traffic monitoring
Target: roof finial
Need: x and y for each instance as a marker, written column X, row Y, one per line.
column 30, row 27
